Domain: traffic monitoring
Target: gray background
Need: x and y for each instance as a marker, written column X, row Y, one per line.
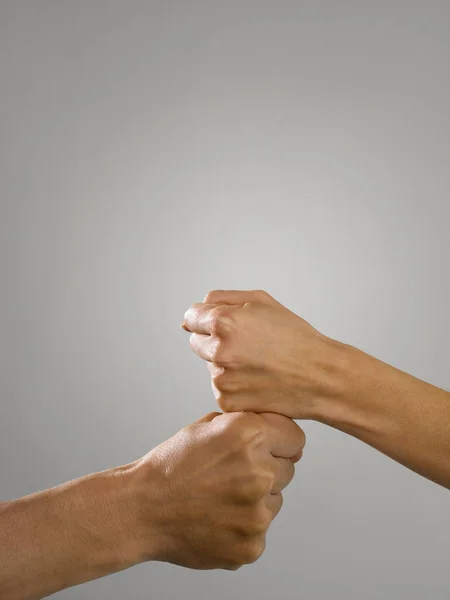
column 153, row 150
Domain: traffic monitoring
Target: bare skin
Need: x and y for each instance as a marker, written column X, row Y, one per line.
column 203, row 499
column 263, row 357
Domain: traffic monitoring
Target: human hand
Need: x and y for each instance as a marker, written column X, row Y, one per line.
column 209, row 494
column 262, row 357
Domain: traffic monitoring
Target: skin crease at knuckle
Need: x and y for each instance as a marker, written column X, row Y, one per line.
column 224, row 382
column 218, row 352
column 193, row 341
column 222, row 320
column 259, row 520
column 227, row 403
column 280, row 501
column 251, row 431
column 224, row 351
column 253, row 521
column 216, row 321
column 255, row 482
column 249, row 552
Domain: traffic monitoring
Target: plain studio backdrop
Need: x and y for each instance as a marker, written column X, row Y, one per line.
column 154, row 150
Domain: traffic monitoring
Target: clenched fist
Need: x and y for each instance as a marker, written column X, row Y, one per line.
column 203, row 499
column 261, row 356
column 209, row 494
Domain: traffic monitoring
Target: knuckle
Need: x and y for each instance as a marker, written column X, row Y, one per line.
column 248, row 426
column 260, row 296
column 248, row 429
column 255, row 483
column 253, row 430
column 279, row 504
column 290, row 471
column 227, row 403
column 286, row 475
column 217, row 351
column 223, row 382
column 192, row 341
column 221, row 320
column 216, row 321
column 264, row 483
column 302, row 440
column 220, row 351
column 303, row 434
column 189, row 311
column 193, row 311
column 259, row 521
column 252, row 303
column 211, row 296
column 219, row 380
column 236, row 423
column 250, row 551
column 254, row 522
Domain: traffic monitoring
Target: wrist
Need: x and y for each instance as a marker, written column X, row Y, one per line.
column 114, row 508
column 138, row 512
column 107, row 509
column 148, row 524
column 352, row 391
column 324, row 382
column 334, row 374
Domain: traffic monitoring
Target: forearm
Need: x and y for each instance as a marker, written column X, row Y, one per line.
column 66, row 535
column 403, row 417
column 264, row 358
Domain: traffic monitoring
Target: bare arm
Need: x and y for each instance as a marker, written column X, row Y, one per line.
column 67, row 535
column 263, row 357
column 203, row 499
column 396, row 413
